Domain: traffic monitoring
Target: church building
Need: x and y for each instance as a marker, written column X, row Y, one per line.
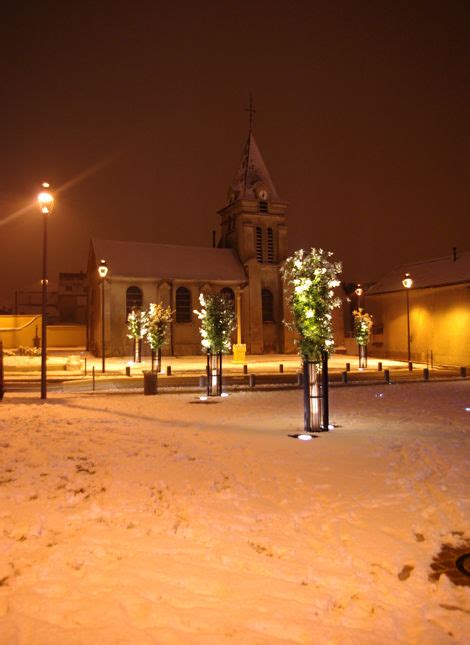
column 244, row 266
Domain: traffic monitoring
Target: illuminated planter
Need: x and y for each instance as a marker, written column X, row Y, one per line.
column 157, row 357
column 214, row 374
column 137, row 350
column 362, row 350
column 316, row 409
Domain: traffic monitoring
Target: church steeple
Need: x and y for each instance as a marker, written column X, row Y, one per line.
column 253, row 221
column 252, row 179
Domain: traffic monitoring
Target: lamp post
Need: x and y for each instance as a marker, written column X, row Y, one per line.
column 358, row 291
column 103, row 272
column 46, row 204
column 407, row 282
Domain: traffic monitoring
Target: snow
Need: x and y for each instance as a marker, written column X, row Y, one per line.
column 163, row 519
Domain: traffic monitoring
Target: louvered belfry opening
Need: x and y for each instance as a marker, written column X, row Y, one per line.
column 259, row 244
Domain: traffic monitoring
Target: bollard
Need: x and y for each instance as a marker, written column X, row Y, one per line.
column 379, row 366
column 203, row 381
column 85, row 366
column 281, row 368
column 463, row 372
column 150, row 383
column 348, row 367
column 128, row 370
column 387, row 376
column 168, row 370
column 426, row 374
column 93, row 377
column 252, row 380
column 245, row 369
column 344, row 377
column 300, row 378
column 410, row 366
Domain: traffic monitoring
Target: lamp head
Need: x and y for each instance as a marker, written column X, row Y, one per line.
column 103, row 269
column 359, row 290
column 407, row 282
column 45, row 199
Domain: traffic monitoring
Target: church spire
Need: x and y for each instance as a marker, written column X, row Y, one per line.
column 252, row 180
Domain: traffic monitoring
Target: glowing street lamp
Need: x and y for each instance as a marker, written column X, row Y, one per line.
column 46, row 204
column 358, row 291
column 102, row 272
column 407, row 282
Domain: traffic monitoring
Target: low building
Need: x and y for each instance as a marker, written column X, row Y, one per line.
column 438, row 307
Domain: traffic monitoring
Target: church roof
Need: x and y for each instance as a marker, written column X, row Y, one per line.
column 438, row 272
column 252, row 173
column 169, row 261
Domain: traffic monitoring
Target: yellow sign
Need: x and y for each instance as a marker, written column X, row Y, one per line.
column 239, row 351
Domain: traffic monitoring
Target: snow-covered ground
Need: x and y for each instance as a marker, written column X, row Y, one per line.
column 161, row 519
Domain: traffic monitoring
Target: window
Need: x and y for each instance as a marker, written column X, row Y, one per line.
column 228, row 294
column 263, row 206
column 267, row 303
column 133, row 299
column 259, row 244
column 270, row 245
column 183, row 305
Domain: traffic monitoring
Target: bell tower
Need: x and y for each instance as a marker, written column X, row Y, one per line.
column 253, row 223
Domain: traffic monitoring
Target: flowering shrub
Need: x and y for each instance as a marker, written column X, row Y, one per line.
column 311, row 278
column 136, row 324
column 156, row 325
column 217, row 323
column 362, row 326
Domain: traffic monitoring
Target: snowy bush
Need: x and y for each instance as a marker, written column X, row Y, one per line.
column 362, row 326
column 311, row 278
column 217, row 323
column 156, row 325
column 136, row 324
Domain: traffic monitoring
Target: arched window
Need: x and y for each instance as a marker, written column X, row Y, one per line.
column 259, row 244
column 263, row 206
column 270, row 245
column 267, row 304
column 133, row 300
column 228, row 294
column 183, row 305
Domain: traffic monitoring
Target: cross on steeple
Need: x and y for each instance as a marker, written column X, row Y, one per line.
column 251, row 112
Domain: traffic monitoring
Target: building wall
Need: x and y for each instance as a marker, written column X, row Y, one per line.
column 26, row 331
column 439, row 323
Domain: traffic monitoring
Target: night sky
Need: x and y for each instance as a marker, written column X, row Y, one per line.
column 362, row 119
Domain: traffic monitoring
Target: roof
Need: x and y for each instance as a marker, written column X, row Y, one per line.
column 169, row 261
column 428, row 273
column 251, row 173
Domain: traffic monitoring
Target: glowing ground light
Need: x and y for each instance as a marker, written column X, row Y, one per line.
column 331, row 426
column 203, row 398
column 467, row 409
column 304, row 437
column 224, row 394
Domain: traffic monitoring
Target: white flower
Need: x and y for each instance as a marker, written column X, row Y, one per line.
column 205, row 343
column 334, row 283
column 298, row 264
column 201, row 299
column 329, row 342
column 309, row 314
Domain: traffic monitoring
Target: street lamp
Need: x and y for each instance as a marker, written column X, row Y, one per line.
column 407, row 282
column 103, row 272
column 359, row 291
column 46, row 204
